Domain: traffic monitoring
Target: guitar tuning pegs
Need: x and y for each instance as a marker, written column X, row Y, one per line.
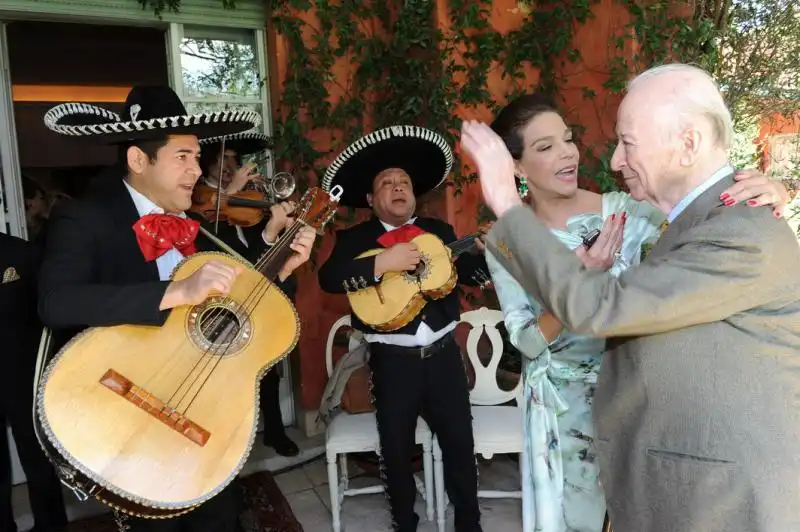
column 362, row 282
column 346, row 286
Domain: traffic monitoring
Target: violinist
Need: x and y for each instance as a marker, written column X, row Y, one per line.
column 224, row 165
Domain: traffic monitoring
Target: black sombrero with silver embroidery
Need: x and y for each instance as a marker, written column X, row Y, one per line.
column 151, row 112
column 423, row 154
column 245, row 143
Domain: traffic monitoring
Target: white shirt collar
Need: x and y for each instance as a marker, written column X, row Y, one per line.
column 392, row 228
column 715, row 178
column 145, row 205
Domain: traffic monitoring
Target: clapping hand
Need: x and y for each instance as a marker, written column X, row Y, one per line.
column 495, row 166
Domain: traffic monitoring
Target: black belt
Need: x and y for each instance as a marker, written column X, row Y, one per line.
column 422, row 352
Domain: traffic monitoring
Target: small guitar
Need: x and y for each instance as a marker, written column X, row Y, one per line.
column 154, row 421
column 400, row 297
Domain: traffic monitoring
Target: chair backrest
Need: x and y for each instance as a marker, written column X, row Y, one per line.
column 486, row 390
column 354, row 339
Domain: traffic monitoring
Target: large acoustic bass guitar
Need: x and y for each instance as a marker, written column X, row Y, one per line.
column 153, row 421
column 400, row 296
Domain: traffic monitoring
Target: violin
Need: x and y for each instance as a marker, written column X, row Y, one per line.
column 246, row 208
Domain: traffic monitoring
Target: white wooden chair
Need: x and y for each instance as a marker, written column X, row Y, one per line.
column 354, row 433
column 496, row 429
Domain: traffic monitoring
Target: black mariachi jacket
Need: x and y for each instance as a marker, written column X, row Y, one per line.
column 21, row 329
column 342, row 266
column 93, row 273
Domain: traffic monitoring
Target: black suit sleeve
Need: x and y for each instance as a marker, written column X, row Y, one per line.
column 70, row 291
column 342, row 265
column 467, row 264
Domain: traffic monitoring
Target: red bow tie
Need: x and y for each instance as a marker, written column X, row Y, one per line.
column 401, row 235
column 158, row 233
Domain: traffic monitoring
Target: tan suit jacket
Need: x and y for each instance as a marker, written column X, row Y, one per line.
column 697, row 412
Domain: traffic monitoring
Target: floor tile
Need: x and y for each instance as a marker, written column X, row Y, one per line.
column 310, row 511
column 293, row 481
column 317, row 472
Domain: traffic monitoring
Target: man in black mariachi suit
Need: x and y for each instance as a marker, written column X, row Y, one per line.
column 19, row 336
column 222, row 166
column 418, row 369
column 109, row 256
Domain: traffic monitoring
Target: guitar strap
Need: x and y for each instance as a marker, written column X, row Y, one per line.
column 222, row 245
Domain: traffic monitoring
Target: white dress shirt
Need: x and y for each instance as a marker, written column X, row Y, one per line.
column 169, row 260
column 424, row 335
column 715, row 178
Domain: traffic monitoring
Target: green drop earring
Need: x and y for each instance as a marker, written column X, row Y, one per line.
column 522, row 188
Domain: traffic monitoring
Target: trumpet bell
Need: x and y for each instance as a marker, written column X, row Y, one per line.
column 282, row 185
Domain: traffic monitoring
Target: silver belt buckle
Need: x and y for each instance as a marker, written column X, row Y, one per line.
column 425, row 352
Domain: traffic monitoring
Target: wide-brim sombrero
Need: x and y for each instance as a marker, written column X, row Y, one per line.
column 151, row 112
column 246, row 143
column 423, row 154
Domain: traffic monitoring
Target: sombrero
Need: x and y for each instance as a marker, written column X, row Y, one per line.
column 245, row 143
column 151, row 112
column 423, row 154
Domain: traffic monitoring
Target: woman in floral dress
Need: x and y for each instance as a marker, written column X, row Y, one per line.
column 560, row 371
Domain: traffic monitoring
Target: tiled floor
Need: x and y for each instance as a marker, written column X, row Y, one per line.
column 306, row 489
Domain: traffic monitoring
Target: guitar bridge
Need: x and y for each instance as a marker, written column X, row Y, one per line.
column 155, row 407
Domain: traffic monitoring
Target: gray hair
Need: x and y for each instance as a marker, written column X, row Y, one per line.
column 697, row 95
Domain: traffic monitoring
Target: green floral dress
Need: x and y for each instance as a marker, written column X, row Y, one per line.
column 559, row 381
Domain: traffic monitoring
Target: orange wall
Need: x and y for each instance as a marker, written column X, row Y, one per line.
column 318, row 310
column 776, row 124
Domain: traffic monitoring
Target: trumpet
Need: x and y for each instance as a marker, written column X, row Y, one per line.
column 278, row 186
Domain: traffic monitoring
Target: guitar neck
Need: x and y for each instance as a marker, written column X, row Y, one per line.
column 462, row 245
column 276, row 256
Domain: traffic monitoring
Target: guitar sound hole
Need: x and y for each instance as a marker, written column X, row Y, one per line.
column 219, row 325
column 420, row 272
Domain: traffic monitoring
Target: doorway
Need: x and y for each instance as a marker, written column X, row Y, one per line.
column 53, row 63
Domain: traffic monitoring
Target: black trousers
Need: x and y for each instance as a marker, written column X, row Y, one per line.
column 271, row 405
column 220, row 514
column 404, row 387
column 44, row 488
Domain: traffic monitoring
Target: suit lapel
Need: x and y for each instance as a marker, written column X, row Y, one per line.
column 695, row 212
column 124, row 214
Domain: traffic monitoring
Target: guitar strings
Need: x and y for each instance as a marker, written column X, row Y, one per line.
column 223, row 342
column 220, row 346
column 466, row 242
column 217, row 314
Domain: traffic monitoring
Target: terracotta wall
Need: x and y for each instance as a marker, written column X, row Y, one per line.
column 318, row 310
column 775, row 124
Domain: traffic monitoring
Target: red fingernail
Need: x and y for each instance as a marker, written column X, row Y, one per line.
column 777, row 215
column 613, row 217
column 724, row 196
column 751, row 202
column 730, row 201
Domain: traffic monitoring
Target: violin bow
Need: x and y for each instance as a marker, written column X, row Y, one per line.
column 219, row 184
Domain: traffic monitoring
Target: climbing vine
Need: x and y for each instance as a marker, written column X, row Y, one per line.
column 358, row 65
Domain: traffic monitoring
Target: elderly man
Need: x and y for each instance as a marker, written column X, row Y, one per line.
column 697, row 405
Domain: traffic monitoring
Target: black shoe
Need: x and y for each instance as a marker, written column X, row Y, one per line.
column 282, row 444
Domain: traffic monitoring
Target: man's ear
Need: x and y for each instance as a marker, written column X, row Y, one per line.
column 137, row 159
column 369, row 199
